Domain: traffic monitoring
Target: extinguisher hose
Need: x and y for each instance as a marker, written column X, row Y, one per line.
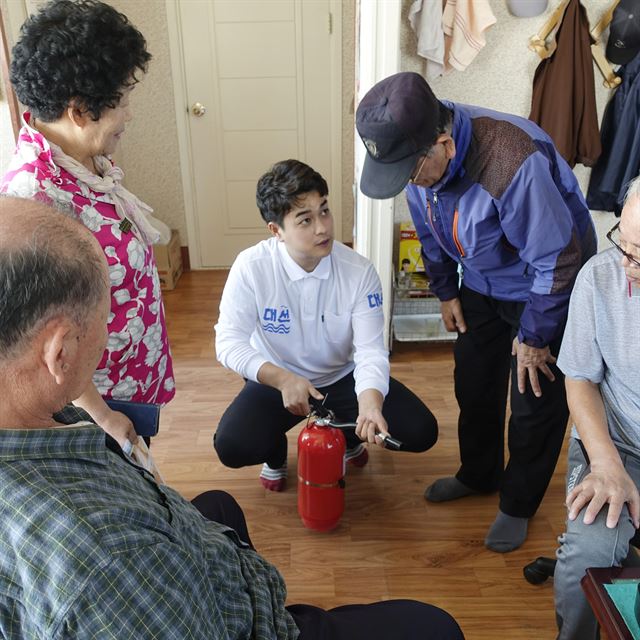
column 388, row 441
column 326, row 414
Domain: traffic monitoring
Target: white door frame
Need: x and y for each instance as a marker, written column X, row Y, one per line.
column 15, row 13
column 174, row 24
column 182, row 119
column 378, row 57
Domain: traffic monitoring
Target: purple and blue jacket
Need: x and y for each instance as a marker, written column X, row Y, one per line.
column 509, row 211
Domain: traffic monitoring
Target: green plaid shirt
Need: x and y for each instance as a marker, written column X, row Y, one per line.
column 92, row 547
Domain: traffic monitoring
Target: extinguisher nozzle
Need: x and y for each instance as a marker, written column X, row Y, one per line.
column 391, row 443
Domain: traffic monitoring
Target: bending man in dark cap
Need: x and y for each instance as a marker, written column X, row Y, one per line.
column 504, row 231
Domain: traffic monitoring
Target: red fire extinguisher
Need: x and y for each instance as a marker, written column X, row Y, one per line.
column 321, row 449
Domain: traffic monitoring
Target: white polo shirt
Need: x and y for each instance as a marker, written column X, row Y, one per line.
column 319, row 325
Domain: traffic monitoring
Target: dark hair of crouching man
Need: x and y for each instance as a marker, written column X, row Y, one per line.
column 88, row 539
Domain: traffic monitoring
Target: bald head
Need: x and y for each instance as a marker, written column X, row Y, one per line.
column 49, row 265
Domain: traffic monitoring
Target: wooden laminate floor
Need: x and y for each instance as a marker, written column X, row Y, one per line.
column 390, row 543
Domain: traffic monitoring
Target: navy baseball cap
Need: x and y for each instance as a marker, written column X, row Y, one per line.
column 624, row 34
column 398, row 121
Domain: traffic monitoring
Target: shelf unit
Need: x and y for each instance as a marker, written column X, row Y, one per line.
column 416, row 315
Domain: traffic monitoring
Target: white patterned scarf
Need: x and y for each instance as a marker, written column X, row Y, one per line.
column 110, row 182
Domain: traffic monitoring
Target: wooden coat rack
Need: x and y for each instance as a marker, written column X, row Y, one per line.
column 545, row 46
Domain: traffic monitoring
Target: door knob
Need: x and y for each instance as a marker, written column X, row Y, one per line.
column 198, row 109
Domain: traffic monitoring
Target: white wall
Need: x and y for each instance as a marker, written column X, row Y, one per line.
column 501, row 76
column 6, row 131
column 148, row 152
column 348, row 116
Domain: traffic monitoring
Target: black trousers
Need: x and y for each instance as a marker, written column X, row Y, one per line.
column 389, row 620
column 254, row 426
column 483, row 365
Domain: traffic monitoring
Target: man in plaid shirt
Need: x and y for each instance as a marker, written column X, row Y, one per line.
column 90, row 545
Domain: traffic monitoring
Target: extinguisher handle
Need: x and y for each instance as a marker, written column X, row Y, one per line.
column 342, row 425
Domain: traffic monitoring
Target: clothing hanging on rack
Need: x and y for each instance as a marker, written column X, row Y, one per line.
column 452, row 37
column 464, row 23
column 624, row 34
column 620, row 159
column 563, row 101
column 425, row 18
column 611, row 80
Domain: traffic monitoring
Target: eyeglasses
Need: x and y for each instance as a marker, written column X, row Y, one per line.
column 416, row 173
column 628, row 256
column 425, row 157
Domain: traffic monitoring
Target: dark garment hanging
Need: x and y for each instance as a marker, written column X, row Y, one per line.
column 620, row 159
column 564, row 98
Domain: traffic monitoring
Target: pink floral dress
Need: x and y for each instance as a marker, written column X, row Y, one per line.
column 136, row 364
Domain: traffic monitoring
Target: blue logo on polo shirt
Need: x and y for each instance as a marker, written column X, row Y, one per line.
column 375, row 300
column 276, row 322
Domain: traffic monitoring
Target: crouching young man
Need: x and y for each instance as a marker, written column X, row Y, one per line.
column 300, row 316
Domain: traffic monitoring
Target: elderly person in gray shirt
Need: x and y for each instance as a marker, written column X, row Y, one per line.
column 91, row 546
column 600, row 357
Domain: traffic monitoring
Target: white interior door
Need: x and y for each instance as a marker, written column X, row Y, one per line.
column 261, row 84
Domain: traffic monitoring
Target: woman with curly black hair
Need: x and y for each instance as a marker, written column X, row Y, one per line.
column 74, row 67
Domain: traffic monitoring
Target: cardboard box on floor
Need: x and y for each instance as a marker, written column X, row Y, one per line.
column 169, row 262
column 410, row 251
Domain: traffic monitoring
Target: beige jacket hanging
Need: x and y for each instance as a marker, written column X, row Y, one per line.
column 464, row 23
